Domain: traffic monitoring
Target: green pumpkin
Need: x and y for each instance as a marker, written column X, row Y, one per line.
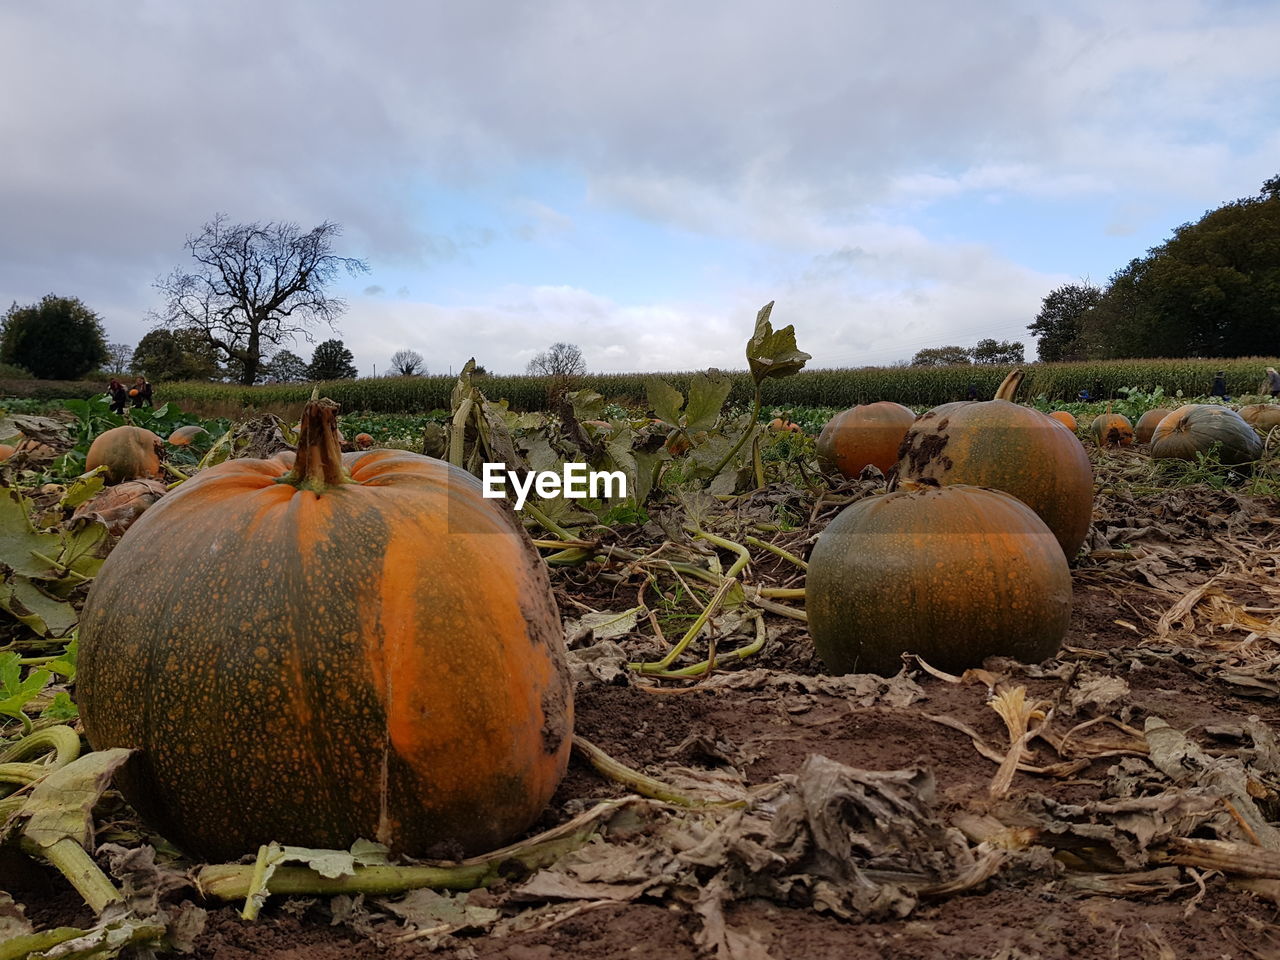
column 1198, row 428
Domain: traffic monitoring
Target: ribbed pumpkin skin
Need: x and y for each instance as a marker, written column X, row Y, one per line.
column 999, row 444
column 128, row 452
column 1199, row 428
column 1147, row 423
column 1261, row 416
column 955, row 574
column 866, row 435
column 381, row 660
column 1065, row 418
column 1112, row 430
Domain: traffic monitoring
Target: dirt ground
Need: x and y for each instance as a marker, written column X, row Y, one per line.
column 1085, row 852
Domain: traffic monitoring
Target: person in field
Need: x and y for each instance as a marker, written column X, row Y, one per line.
column 1273, row 382
column 141, row 392
column 119, row 394
column 1219, row 388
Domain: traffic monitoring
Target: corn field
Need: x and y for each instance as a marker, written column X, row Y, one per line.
column 914, row 386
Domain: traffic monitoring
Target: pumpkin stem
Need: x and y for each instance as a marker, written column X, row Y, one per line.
column 1009, row 386
column 319, row 462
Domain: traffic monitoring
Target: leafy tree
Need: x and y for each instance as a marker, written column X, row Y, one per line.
column 175, row 355
column 286, row 367
column 332, row 361
column 119, row 356
column 255, row 286
column 940, row 356
column 1060, row 321
column 58, row 338
column 998, row 351
column 561, row 360
column 407, row 363
column 1210, row 290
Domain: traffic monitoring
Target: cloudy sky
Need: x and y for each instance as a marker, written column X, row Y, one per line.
column 636, row 178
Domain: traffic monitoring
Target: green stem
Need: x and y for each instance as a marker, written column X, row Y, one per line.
column 547, row 523
column 752, row 426
column 175, row 472
column 698, row 669
column 253, row 902
column 79, row 869
column 777, row 552
column 318, row 464
column 642, row 783
column 661, row 666
column 744, row 555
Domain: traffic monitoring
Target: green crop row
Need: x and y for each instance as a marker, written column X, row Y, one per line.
column 914, row 386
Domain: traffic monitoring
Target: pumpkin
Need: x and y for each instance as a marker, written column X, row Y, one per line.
column 127, row 452
column 317, row 648
column 6, row 451
column 1197, row 428
column 119, row 506
column 998, row 443
column 780, row 425
column 955, row 574
column 185, row 436
column 1261, row 416
column 1112, row 430
column 363, row 441
column 1146, row 425
column 133, row 392
column 866, row 435
column 1065, row 418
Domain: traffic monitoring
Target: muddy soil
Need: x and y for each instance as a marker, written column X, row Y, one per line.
column 764, row 733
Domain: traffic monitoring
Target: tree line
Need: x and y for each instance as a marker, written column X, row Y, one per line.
column 1210, row 290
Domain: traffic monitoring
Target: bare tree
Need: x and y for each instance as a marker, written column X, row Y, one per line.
column 256, row 286
column 407, row 363
column 119, row 356
column 561, row 360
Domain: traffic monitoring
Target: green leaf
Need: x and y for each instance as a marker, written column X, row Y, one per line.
column 25, row 551
column 83, row 547
column 61, row 708
column 706, row 399
column 84, row 488
column 46, row 615
column 664, row 399
column 65, row 665
column 587, row 405
column 773, row 353
column 61, row 804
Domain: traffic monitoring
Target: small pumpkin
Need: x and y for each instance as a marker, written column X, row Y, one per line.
column 127, row 452
column 185, row 436
column 317, row 648
column 1197, row 428
column 779, row 425
column 6, row 451
column 119, row 506
column 133, row 392
column 1261, row 416
column 1147, row 423
column 1065, row 418
column 866, row 435
column 1001, row 444
column 363, row 441
column 955, row 574
column 1112, row 430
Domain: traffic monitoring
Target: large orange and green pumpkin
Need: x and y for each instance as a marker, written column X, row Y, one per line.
column 955, row 574
column 320, row 648
column 866, row 435
column 1147, row 423
column 1197, row 428
column 1112, row 430
column 129, row 453
column 1001, row 444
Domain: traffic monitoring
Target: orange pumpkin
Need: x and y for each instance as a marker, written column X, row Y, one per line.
column 1147, row 423
column 127, row 452
column 780, row 425
column 359, row 646
column 865, row 435
column 1065, row 418
column 6, row 451
column 133, row 392
column 1112, row 430
column 1000, row 444
column 1261, row 416
column 363, row 441
column 185, row 436
column 955, row 574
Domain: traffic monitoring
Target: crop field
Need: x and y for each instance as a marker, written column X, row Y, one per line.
column 256, row 700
